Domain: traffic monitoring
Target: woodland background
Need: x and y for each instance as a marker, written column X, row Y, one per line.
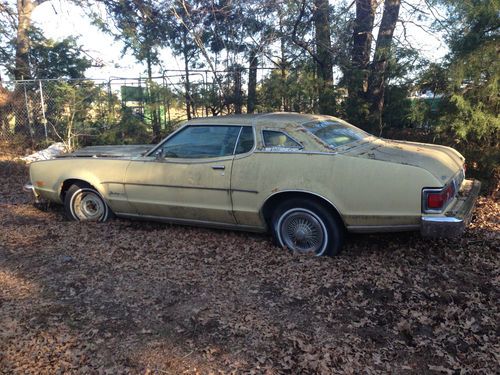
column 350, row 59
column 143, row 298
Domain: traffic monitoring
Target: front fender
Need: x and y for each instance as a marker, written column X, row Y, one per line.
column 48, row 177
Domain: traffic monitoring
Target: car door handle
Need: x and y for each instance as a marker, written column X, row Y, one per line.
column 219, row 167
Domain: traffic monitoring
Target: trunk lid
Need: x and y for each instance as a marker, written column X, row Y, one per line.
column 441, row 161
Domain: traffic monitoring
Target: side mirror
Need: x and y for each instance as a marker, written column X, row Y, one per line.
column 159, row 154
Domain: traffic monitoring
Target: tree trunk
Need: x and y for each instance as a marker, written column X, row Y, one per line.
column 252, row 82
column 5, row 108
column 238, row 97
column 376, row 85
column 24, row 11
column 361, row 47
column 285, row 99
column 22, row 68
column 324, row 60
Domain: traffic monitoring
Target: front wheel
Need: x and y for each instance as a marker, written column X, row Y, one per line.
column 307, row 227
column 83, row 203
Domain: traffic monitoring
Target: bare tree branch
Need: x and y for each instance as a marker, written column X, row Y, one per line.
column 302, row 44
column 437, row 17
column 198, row 41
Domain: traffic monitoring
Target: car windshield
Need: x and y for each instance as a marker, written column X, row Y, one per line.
column 335, row 132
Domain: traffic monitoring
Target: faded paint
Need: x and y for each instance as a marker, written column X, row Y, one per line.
column 372, row 182
column 110, row 151
column 443, row 162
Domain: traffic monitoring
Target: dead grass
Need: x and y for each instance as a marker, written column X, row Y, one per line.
column 130, row 297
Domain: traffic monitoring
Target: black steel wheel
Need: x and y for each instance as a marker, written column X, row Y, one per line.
column 84, row 203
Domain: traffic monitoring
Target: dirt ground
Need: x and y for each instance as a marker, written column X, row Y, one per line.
column 136, row 297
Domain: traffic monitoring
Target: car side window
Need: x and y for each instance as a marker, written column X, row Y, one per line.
column 278, row 140
column 246, row 141
column 202, row 141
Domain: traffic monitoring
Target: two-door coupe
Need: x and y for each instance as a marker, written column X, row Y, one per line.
column 305, row 178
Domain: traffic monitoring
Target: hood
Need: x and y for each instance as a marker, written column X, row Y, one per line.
column 121, row 151
column 441, row 161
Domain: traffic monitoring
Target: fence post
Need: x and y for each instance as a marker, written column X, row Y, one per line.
column 206, row 92
column 111, row 107
column 28, row 112
column 42, row 102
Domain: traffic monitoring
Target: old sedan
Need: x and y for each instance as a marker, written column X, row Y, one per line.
column 305, row 178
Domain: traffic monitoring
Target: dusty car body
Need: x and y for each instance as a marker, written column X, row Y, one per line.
column 296, row 175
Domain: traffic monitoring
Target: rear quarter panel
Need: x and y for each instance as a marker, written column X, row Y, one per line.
column 364, row 191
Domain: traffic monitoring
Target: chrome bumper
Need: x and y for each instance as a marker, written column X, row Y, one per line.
column 452, row 223
column 29, row 188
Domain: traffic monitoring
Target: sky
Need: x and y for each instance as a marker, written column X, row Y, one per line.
column 60, row 19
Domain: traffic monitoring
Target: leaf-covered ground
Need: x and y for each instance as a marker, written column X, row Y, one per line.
column 135, row 297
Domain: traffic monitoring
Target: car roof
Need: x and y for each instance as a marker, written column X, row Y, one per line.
column 275, row 119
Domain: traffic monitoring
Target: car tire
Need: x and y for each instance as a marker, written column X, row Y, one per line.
column 306, row 226
column 84, row 203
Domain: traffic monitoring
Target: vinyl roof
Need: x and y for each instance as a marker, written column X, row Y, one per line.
column 277, row 119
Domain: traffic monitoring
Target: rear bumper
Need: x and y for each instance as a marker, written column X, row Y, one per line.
column 452, row 223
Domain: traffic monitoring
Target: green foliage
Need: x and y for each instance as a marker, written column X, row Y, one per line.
column 73, row 108
column 356, row 110
column 400, row 111
column 295, row 91
column 83, row 113
column 470, row 119
column 466, row 115
column 434, row 78
column 49, row 59
column 473, row 72
column 222, row 35
column 128, row 130
column 137, row 24
column 56, row 59
column 7, row 30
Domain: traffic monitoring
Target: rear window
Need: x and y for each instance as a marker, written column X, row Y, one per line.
column 277, row 139
column 336, row 133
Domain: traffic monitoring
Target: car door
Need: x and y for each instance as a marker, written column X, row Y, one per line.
column 256, row 175
column 189, row 178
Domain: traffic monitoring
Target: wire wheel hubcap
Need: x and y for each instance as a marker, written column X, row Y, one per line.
column 303, row 231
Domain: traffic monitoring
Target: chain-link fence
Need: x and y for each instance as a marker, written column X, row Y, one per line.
column 132, row 110
column 41, row 111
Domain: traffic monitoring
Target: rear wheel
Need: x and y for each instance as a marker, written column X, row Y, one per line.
column 306, row 226
column 84, row 203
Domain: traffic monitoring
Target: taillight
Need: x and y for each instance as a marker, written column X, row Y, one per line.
column 435, row 200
